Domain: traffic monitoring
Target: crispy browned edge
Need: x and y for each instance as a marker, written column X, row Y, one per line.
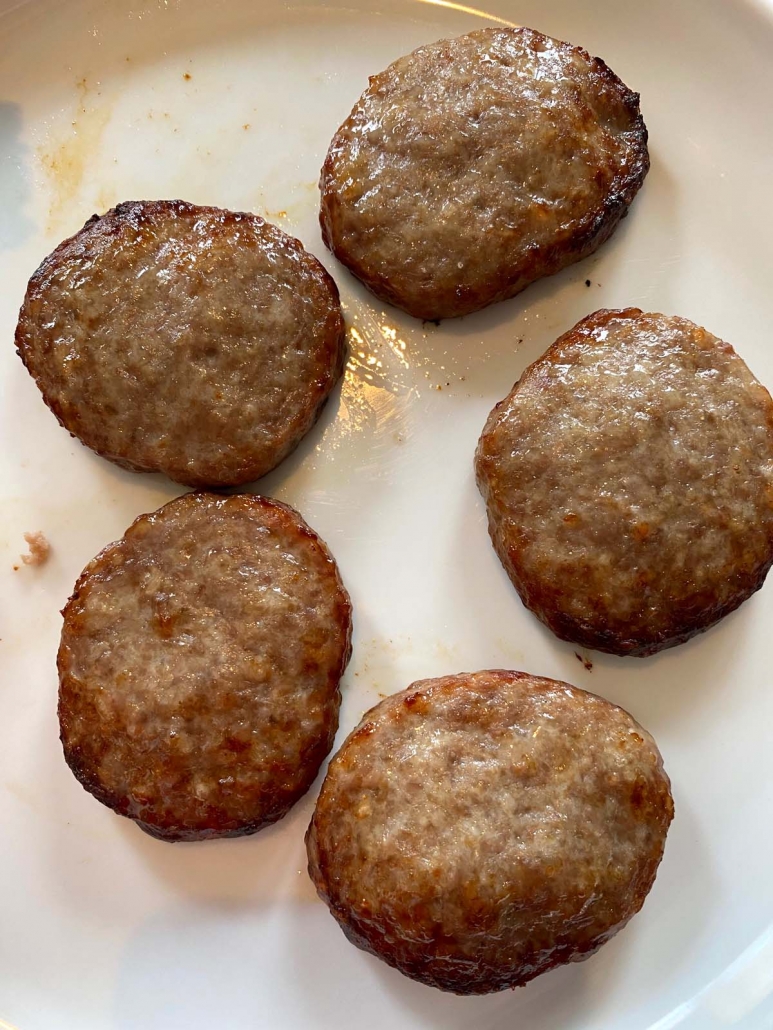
column 449, row 976
column 539, row 599
column 593, row 230
column 89, row 779
column 110, row 224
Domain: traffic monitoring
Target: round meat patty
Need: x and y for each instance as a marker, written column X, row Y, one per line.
column 476, row 165
column 187, row 340
column 628, row 478
column 477, row 830
column 199, row 666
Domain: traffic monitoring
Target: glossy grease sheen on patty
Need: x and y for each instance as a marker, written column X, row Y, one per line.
column 476, row 165
column 628, row 479
column 199, row 666
column 476, row 830
column 188, row 340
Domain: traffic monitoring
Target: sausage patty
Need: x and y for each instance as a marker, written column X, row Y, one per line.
column 187, row 340
column 476, row 165
column 477, row 830
column 628, row 478
column 199, row 666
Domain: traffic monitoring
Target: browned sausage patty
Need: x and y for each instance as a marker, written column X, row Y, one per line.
column 187, row 340
column 199, row 666
column 477, row 830
column 628, row 478
column 476, row 165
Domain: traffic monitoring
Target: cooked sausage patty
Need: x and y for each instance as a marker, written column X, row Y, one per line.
column 477, row 830
column 187, row 340
column 476, row 165
column 199, row 666
column 628, row 478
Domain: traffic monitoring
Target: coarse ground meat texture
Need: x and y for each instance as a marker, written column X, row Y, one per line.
column 477, row 830
column 628, row 479
column 39, row 549
column 188, row 340
column 476, row 165
column 199, row 666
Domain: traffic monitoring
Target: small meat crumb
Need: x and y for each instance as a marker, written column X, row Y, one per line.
column 39, row 549
column 585, row 661
column 187, row 76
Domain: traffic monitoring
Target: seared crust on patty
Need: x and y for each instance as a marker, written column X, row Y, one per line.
column 199, row 666
column 188, row 340
column 628, row 479
column 476, row 165
column 477, row 830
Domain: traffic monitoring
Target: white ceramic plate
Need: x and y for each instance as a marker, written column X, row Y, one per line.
column 233, row 102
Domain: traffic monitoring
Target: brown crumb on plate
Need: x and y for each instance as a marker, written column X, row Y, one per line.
column 585, row 661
